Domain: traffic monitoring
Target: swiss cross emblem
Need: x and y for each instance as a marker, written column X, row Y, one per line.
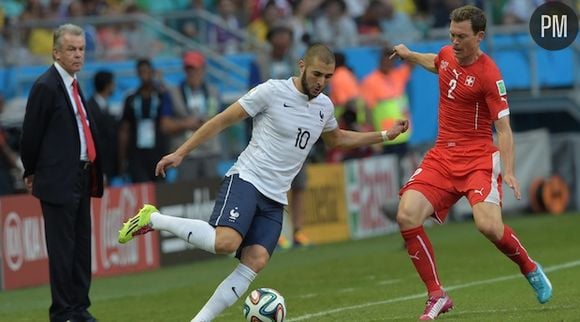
column 444, row 64
column 470, row 80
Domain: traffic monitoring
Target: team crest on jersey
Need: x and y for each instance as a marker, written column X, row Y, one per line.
column 470, row 80
column 444, row 64
column 501, row 87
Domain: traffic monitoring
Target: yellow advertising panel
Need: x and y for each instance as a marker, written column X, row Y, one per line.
column 325, row 218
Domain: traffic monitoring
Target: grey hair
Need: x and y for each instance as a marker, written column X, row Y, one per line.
column 66, row 29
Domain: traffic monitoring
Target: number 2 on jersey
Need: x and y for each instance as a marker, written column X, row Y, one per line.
column 452, row 85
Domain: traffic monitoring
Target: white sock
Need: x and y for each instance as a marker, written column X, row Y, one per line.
column 194, row 231
column 227, row 293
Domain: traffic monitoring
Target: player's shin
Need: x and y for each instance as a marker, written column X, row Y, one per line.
column 194, row 231
column 510, row 245
column 421, row 253
column 227, row 293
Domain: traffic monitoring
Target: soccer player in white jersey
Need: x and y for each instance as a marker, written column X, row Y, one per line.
column 288, row 118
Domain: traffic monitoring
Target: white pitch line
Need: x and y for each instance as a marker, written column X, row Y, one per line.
column 422, row 295
column 467, row 312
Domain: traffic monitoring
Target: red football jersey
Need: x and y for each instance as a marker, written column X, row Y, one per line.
column 470, row 99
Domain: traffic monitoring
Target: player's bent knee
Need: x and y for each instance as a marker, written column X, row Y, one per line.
column 226, row 246
column 414, row 208
column 488, row 220
column 227, row 240
column 407, row 218
column 491, row 230
column 256, row 257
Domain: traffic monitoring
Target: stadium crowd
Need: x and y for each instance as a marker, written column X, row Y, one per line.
column 286, row 26
column 339, row 23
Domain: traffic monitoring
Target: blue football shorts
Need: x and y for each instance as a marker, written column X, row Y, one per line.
column 241, row 206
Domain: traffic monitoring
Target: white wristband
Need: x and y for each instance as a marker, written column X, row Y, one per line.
column 385, row 135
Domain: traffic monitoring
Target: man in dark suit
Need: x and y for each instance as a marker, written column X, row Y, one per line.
column 105, row 121
column 63, row 170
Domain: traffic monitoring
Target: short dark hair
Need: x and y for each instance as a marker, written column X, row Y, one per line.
column 102, row 79
column 471, row 13
column 144, row 62
column 279, row 29
column 319, row 51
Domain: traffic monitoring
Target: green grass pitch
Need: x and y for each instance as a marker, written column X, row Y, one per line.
column 365, row 280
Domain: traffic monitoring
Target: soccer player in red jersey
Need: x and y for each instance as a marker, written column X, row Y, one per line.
column 464, row 160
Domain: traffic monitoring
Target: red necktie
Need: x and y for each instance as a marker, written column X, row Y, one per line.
column 87, row 131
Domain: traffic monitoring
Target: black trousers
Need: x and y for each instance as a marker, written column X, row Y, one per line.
column 68, row 241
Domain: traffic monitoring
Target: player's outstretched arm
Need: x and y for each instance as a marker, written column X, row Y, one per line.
column 231, row 115
column 426, row 60
column 344, row 139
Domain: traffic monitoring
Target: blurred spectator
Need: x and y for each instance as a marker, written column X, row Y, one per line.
column 350, row 109
column 57, row 9
column 302, row 24
column 343, row 86
column 141, row 41
column 106, row 121
column 356, row 8
column 334, row 27
column 384, row 91
column 408, row 7
column 191, row 27
column 519, row 11
column 116, row 6
column 423, row 19
column 270, row 15
column 441, row 9
column 396, row 26
column 39, row 40
column 256, row 7
column 95, row 7
column 221, row 39
column 194, row 102
column 279, row 62
column 141, row 141
column 369, row 24
column 114, row 43
column 11, row 168
column 13, row 51
column 2, row 17
column 77, row 10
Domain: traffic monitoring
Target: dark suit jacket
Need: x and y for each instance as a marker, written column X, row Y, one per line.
column 108, row 127
column 50, row 146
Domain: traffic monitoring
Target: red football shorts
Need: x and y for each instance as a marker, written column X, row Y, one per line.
column 447, row 174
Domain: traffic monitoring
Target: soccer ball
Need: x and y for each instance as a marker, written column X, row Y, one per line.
column 264, row 304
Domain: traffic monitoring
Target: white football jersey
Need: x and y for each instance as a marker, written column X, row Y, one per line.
column 285, row 127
